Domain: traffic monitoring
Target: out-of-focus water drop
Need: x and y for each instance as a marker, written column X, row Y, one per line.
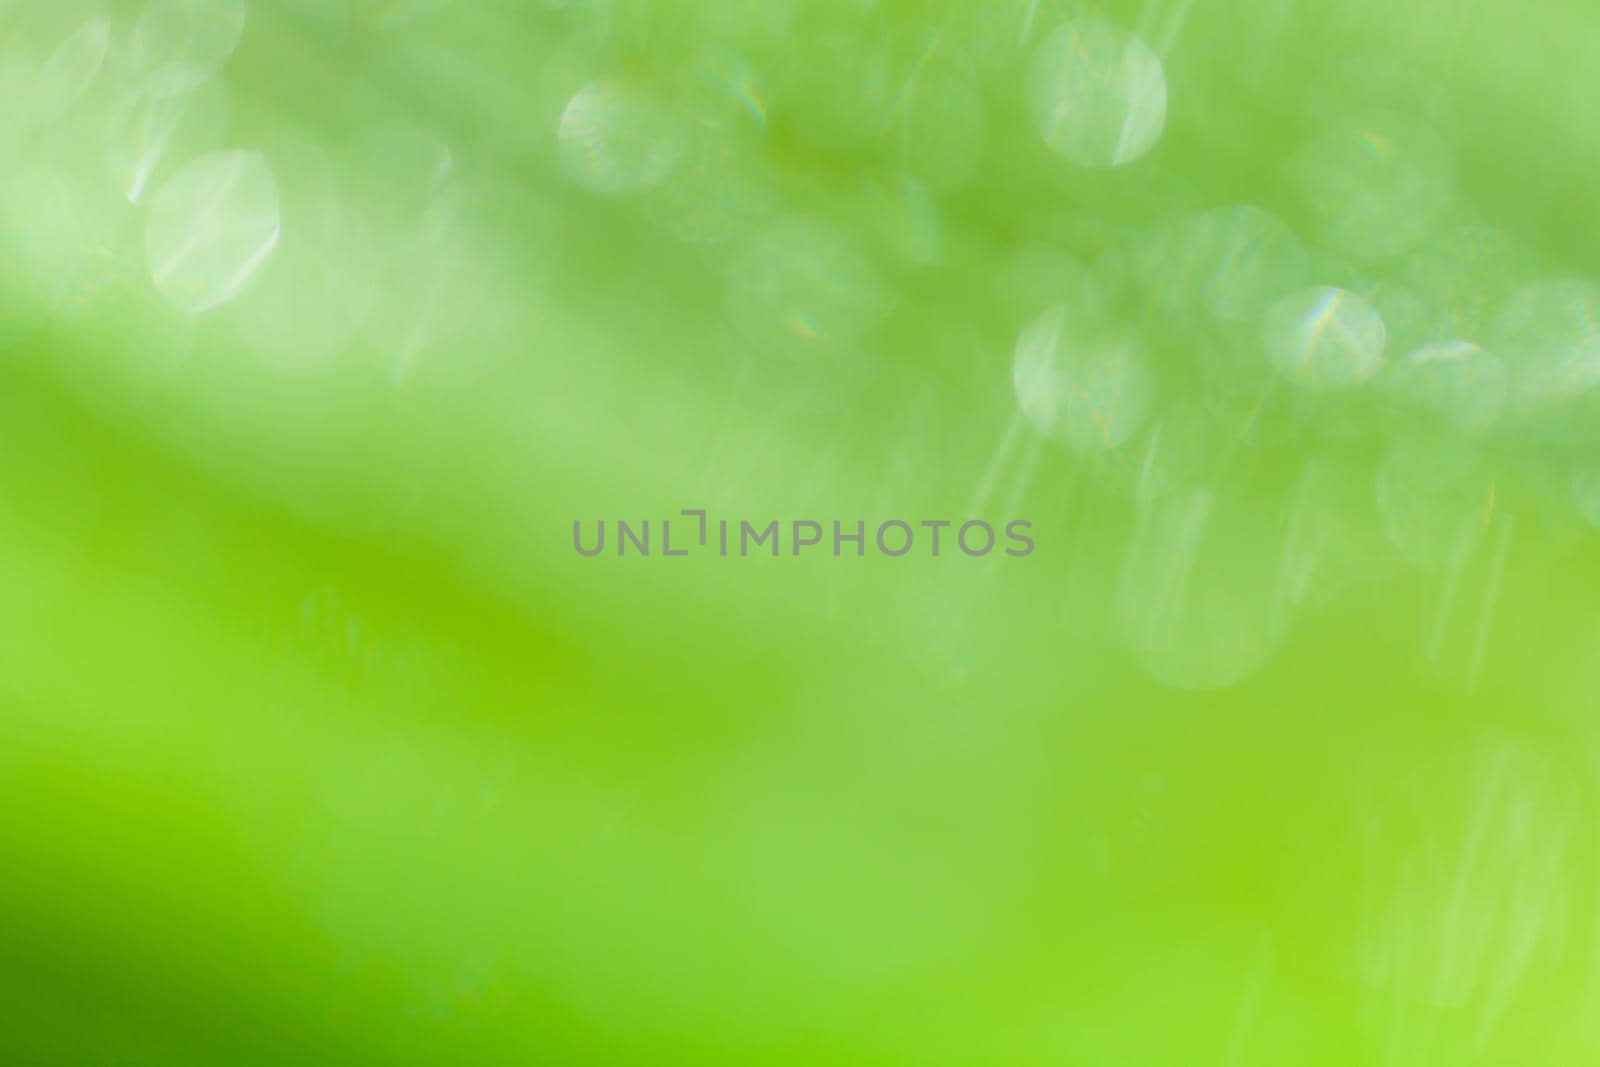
column 211, row 228
column 1325, row 338
column 1083, row 384
column 1549, row 334
column 145, row 135
column 71, row 70
column 1097, row 94
column 1455, row 382
column 616, row 140
column 180, row 44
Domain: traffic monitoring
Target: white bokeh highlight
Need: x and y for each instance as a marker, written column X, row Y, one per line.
column 211, row 228
column 1097, row 94
column 1325, row 338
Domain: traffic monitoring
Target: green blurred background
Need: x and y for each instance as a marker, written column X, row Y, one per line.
column 322, row 321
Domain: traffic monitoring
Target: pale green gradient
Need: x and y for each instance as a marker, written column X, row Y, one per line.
column 320, row 744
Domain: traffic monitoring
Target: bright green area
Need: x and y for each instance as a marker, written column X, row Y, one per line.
column 320, row 744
